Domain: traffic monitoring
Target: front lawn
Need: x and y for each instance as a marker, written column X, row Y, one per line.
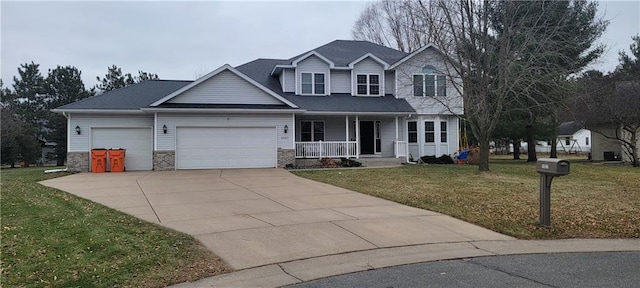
column 54, row 239
column 594, row 201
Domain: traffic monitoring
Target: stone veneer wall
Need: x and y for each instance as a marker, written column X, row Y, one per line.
column 164, row 160
column 286, row 156
column 78, row 161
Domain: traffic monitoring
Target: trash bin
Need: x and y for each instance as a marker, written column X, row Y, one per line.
column 116, row 159
column 98, row 160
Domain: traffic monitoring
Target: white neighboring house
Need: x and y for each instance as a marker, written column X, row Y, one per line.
column 351, row 99
column 572, row 139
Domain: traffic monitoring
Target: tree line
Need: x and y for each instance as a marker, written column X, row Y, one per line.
column 517, row 64
column 27, row 122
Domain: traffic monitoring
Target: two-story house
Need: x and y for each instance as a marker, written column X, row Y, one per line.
column 344, row 99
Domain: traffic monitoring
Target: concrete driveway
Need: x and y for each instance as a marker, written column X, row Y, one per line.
column 255, row 217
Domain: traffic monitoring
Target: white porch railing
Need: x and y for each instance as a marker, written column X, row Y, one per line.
column 401, row 148
column 322, row 149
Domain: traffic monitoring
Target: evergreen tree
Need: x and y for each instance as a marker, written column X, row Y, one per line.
column 115, row 79
column 29, row 101
column 63, row 86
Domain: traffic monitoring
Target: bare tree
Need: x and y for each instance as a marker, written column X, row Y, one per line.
column 508, row 52
column 612, row 109
column 402, row 25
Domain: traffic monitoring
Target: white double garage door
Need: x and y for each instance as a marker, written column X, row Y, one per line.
column 196, row 147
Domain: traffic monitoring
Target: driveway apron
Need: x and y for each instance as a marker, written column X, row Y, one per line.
column 255, row 217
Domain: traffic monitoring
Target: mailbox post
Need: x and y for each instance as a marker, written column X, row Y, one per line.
column 549, row 168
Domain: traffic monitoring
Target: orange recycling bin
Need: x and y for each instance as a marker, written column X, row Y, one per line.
column 116, row 159
column 98, row 160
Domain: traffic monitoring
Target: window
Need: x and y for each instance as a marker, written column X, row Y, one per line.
column 311, row 131
column 429, row 132
column 412, row 128
column 586, row 141
column 368, row 84
column 312, row 83
column 443, row 132
column 429, row 84
column 567, row 141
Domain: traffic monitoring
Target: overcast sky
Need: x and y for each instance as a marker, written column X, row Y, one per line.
column 184, row 40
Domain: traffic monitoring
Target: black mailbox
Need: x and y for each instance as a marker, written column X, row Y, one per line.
column 552, row 166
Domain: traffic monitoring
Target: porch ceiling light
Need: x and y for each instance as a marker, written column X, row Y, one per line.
column 286, row 128
column 78, row 129
column 164, row 129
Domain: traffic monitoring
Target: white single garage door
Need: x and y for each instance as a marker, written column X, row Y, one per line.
column 137, row 141
column 237, row 147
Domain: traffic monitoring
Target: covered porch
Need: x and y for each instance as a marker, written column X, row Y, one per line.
column 350, row 136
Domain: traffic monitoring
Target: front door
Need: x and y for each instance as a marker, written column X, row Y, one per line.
column 367, row 138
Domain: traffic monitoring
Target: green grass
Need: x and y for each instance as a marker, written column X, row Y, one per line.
column 594, row 201
column 54, row 239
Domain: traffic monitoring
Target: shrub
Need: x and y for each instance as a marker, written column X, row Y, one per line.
column 444, row 159
column 344, row 162
column 329, row 163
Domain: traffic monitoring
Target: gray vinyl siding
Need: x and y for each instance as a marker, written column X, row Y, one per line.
column 167, row 141
column 367, row 66
column 81, row 143
column 225, row 88
column 426, row 105
column 340, row 81
column 334, row 126
column 436, row 148
column 389, row 82
column 288, row 75
column 313, row 64
column 387, row 137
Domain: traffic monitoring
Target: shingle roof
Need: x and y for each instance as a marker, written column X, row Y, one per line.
column 132, row 97
column 343, row 52
column 259, row 70
column 569, row 128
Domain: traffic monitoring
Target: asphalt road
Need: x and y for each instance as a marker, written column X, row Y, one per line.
column 602, row 269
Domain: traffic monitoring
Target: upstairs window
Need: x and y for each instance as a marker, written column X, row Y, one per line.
column 429, row 132
column 368, row 84
column 429, row 83
column 312, row 83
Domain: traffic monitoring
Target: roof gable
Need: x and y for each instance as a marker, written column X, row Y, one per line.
column 414, row 53
column 224, row 85
column 369, row 55
column 309, row 54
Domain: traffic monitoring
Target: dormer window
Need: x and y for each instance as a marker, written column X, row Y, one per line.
column 312, row 83
column 368, row 84
column 429, row 83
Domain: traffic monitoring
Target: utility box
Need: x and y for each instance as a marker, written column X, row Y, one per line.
column 552, row 166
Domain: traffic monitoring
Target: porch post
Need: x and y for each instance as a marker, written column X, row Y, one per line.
column 395, row 144
column 346, row 134
column 346, row 127
column 357, row 137
column 436, row 136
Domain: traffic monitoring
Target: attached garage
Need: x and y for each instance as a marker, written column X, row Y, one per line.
column 225, row 147
column 137, row 141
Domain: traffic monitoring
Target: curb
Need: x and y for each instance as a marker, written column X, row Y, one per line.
column 298, row 271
